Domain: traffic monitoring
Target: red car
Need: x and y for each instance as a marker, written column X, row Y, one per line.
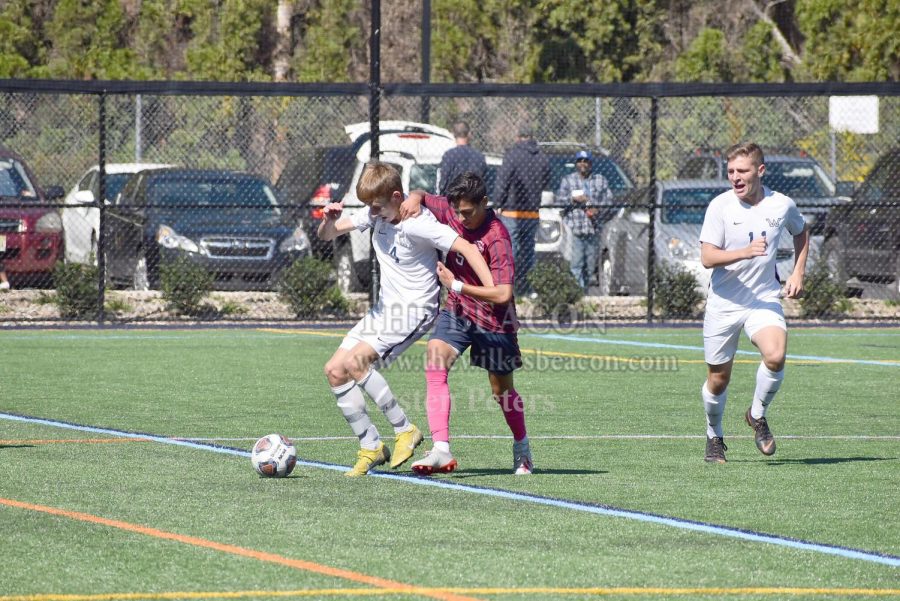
column 31, row 240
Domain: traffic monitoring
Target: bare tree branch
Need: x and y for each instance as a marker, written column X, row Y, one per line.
column 790, row 56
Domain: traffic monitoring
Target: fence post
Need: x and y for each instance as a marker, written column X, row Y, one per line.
column 374, row 119
column 101, row 208
column 426, row 58
column 651, row 207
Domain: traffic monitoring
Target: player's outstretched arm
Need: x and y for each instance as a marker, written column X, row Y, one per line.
column 794, row 285
column 333, row 225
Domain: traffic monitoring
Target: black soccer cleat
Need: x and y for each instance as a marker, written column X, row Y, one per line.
column 765, row 442
column 715, row 450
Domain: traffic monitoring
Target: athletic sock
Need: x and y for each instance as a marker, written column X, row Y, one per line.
column 441, row 446
column 714, row 404
column 437, row 404
column 352, row 403
column 767, row 384
column 514, row 412
column 377, row 387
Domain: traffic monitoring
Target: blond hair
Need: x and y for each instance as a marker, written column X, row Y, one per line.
column 746, row 149
column 378, row 182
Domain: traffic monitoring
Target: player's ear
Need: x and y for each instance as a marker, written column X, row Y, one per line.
column 484, row 201
column 761, row 170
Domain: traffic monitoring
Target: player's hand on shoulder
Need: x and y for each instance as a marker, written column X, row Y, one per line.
column 412, row 206
column 333, row 210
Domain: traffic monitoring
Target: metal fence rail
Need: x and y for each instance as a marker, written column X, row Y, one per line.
column 232, row 177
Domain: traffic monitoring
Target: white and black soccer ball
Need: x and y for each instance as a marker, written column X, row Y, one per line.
column 274, row 456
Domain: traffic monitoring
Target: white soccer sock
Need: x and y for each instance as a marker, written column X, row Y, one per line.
column 714, row 404
column 377, row 387
column 352, row 403
column 440, row 445
column 767, row 384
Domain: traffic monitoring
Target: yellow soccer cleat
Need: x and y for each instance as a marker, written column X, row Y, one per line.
column 404, row 445
column 367, row 459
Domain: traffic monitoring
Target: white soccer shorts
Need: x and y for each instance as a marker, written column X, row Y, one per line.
column 389, row 334
column 722, row 329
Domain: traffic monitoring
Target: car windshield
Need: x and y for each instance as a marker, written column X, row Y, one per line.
column 687, row 205
column 114, row 184
column 226, row 192
column 561, row 166
column 798, row 179
column 14, row 182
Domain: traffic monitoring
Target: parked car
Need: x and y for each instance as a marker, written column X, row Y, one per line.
column 797, row 175
column 678, row 220
column 862, row 237
column 318, row 175
column 229, row 222
column 31, row 240
column 553, row 237
column 81, row 217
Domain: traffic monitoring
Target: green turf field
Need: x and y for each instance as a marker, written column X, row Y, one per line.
column 621, row 506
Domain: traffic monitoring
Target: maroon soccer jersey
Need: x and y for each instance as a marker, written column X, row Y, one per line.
column 492, row 241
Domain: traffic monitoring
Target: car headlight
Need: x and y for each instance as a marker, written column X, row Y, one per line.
column 169, row 238
column 682, row 250
column 296, row 242
column 548, row 232
column 49, row 222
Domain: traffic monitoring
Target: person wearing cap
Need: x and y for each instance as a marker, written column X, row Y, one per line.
column 524, row 175
column 583, row 193
column 460, row 159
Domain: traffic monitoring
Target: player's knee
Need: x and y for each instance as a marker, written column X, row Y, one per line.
column 716, row 383
column 335, row 372
column 354, row 367
column 774, row 361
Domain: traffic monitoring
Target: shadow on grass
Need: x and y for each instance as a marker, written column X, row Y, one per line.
column 827, row 460
column 16, row 446
column 474, row 473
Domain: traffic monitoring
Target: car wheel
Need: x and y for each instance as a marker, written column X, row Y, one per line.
column 605, row 275
column 141, row 277
column 833, row 256
column 347, row 276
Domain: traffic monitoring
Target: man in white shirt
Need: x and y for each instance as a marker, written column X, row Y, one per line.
column 406, row 308
column 738, row 241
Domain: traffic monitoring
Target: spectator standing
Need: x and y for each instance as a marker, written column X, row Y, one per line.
column 460, row 159
column 584, row 193
column 4, row 281
column 524, row 175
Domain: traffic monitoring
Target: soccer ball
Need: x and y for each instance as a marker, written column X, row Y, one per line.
column 274, row 456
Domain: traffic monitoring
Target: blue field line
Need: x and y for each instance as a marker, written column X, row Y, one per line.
column 685, row 347
column 594, row 508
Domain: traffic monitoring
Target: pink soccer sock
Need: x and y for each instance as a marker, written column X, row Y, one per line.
column 437, row 403
column 514, row 412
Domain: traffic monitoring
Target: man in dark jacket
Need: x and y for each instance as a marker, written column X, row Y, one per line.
column 460, row 159
column 524, row 175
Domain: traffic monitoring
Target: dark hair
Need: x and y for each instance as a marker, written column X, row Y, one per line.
column 466, row 186
column 461, row 129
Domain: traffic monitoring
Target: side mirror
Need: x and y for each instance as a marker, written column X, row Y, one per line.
column 54, row 192
column 641, row 217
column 84, row 197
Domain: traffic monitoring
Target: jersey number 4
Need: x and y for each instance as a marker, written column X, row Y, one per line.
column 393, row 253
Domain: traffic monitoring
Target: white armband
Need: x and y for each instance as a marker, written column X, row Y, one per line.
column 456, row 286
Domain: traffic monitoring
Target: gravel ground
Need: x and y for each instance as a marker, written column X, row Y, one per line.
column 36, row 306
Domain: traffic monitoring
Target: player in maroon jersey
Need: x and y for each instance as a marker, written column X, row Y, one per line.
column 483, row 318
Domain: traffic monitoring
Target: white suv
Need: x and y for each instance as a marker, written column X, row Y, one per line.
column 81, row 220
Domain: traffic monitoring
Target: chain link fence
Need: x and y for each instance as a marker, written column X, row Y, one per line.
column 220, row 188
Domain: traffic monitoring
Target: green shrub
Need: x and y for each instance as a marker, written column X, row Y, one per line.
column 76, row 290
column 675, row 291
column 557, row 289
column 822, row 295
column 184, row 285
column 308, row 288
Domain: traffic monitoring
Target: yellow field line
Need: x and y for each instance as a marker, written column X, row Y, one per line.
column 361, row 592
column 299, row 564
column 73, row 440
column 327, row 334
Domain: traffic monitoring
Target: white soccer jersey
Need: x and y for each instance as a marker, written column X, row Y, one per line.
column 407, row 255
column 732, row 224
